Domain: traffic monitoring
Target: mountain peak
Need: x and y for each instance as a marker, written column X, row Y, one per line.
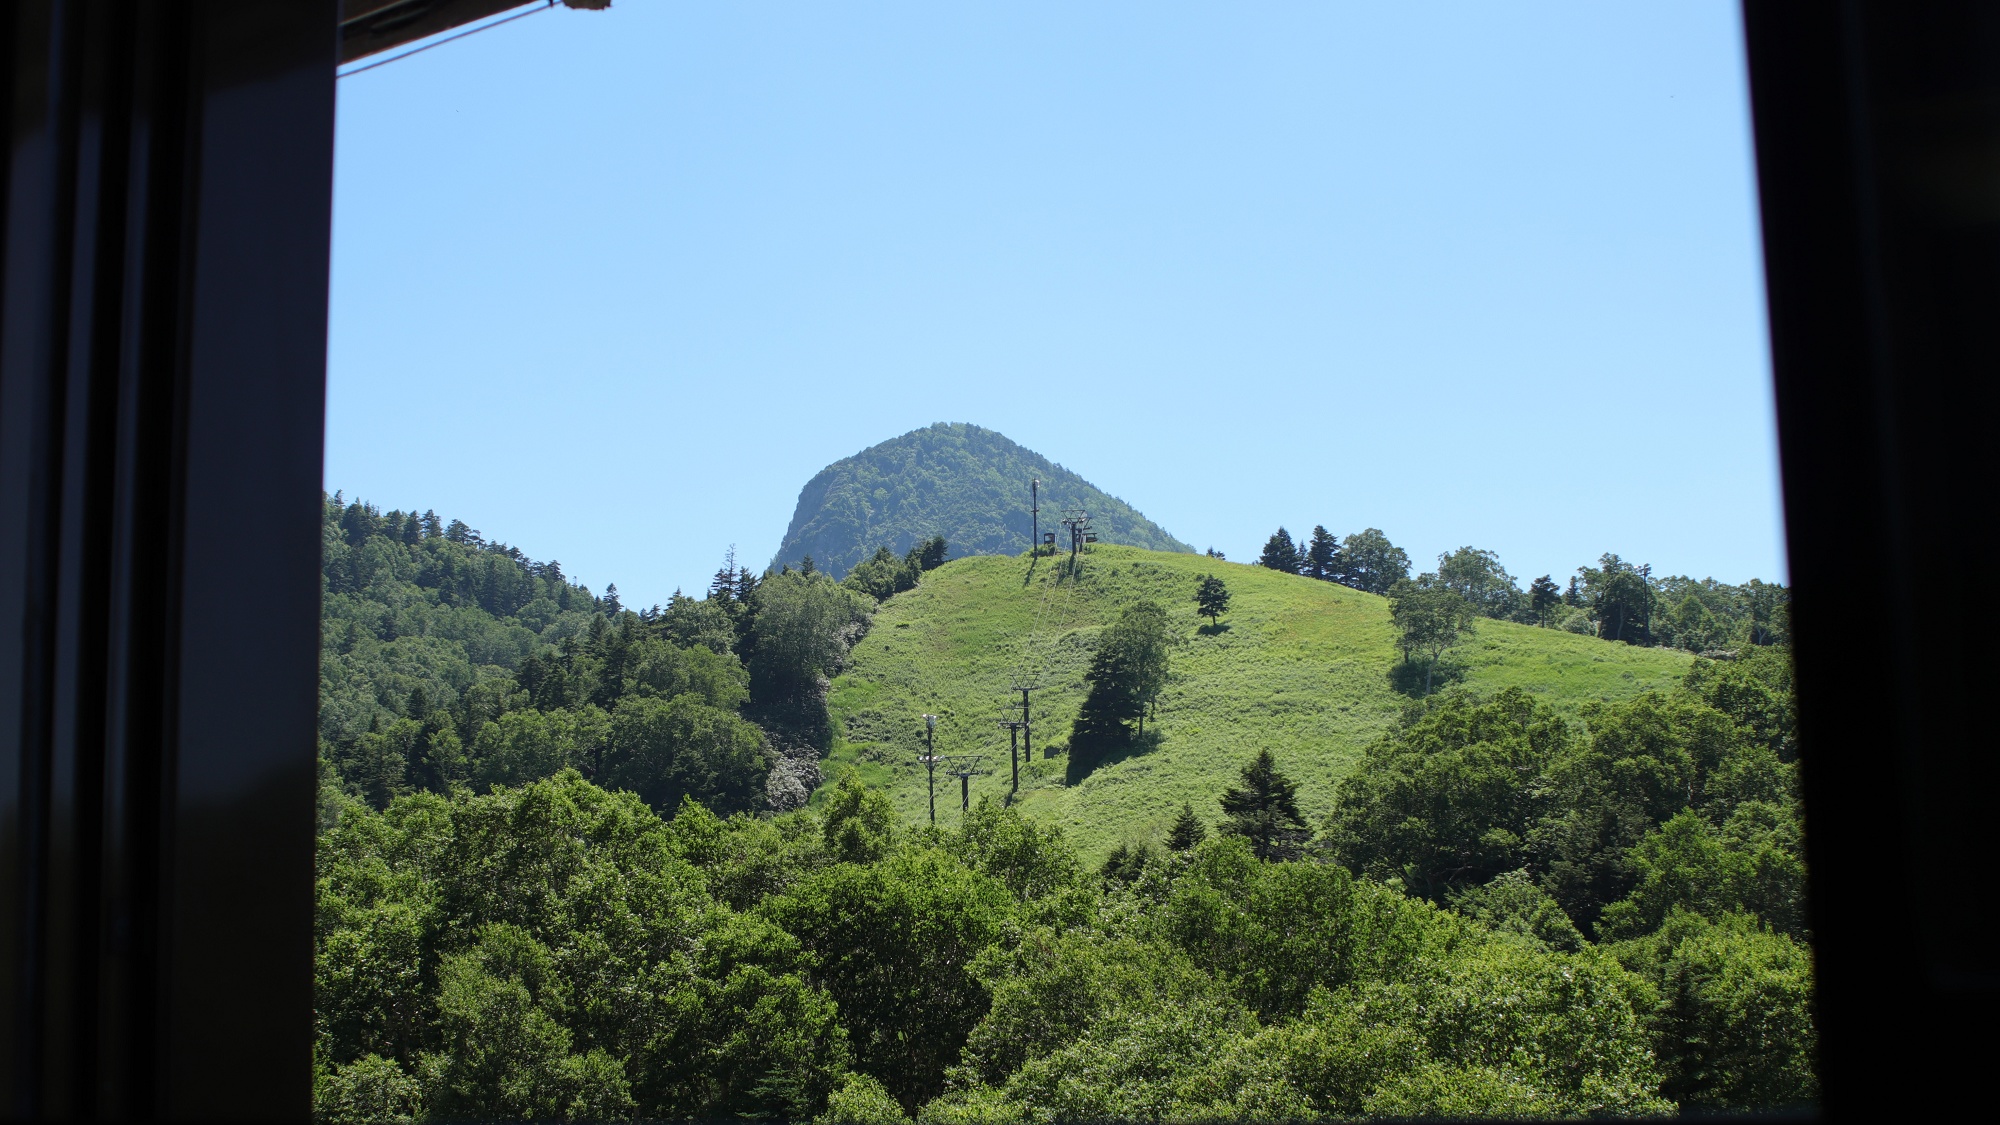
column 964, row 482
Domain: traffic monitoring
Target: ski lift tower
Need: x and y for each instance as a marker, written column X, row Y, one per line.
column 1014, row 729
column 1034, row 517
column 930, row 760
column 1078, row 522
column 965, row 767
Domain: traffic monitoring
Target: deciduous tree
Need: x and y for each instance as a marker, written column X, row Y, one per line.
column 1127, row 672
column 1478, row 577
column 1370, row 562
column 1430, row 619
column 1619, row 596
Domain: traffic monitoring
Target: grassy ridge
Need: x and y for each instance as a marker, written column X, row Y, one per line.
column 1302, row 667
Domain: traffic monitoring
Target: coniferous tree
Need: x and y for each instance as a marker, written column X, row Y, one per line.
column 1265, row 810
column 1211, row 597
column 932, row 554
column 723, row 586
column 1280, row 553
column 1543, row 597
column 1127, row 862
column 1188, row 830
column 1322, row 558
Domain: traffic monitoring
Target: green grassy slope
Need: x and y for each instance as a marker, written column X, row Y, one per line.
column 1299, row 666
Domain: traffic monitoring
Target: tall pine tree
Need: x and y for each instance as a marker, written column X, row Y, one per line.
column 1265, row 810
column 1280, row 553
column 1322, row 559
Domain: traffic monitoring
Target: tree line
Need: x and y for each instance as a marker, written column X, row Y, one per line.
column 1616, row 600
column 1365, row 560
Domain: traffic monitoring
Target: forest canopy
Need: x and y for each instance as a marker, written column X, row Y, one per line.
column 567, row 869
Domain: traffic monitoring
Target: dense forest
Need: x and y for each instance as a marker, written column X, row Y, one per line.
column 566, row 870
column 962, row 482
column 449, row 661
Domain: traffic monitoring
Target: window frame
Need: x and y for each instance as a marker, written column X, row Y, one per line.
column 162, row 387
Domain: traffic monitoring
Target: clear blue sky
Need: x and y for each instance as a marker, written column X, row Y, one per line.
column 612, row 286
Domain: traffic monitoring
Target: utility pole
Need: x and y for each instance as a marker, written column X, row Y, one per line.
column 930, row 760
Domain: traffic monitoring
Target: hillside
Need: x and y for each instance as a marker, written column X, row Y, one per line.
column 965, row 483
column 1297, row 665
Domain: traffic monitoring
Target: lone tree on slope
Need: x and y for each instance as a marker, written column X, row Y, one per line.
column 1127, row 673
column 1211, row 597
column 1429, row 619
column 1265, row 810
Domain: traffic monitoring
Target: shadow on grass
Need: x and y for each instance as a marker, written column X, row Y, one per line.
column 1088, row 758
column 1066, row 569
column 1035, row 558
column 1407, row 677
column 1213, row 629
